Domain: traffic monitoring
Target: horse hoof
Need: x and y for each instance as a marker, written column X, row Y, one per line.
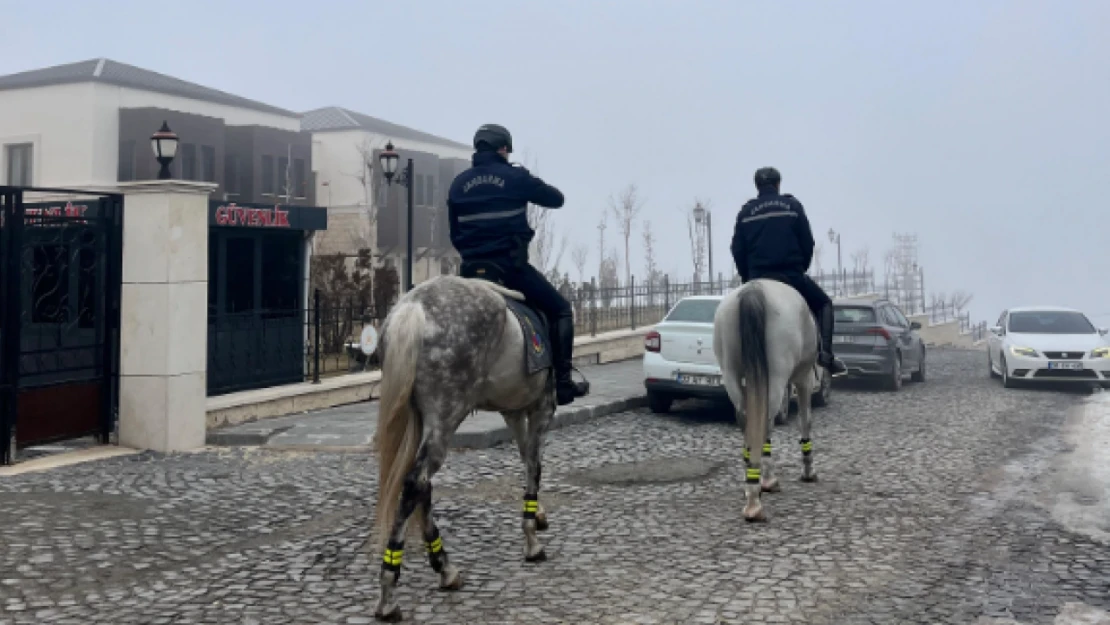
column 541, row 523
column 758, row 517
column 809, row 479
column 451, row 580
column 391, row 615
column 539, row 556
column 772, row 486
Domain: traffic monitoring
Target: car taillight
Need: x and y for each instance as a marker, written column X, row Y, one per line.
column 653, row 342
column 880, row 332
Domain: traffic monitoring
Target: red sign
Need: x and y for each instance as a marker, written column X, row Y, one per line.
column 232, row 215
column 70, row 210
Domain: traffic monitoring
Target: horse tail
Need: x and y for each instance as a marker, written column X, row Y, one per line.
column 753, row 351
column 400, row 426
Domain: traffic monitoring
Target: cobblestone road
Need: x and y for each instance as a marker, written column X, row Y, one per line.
column 925, row 513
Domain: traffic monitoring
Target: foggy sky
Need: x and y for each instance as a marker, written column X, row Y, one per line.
column 983, row 126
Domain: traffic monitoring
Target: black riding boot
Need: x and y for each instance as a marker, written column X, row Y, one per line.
column 826, row 358
column 566, row 389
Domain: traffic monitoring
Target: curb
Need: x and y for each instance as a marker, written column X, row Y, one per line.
column 482, row 439
column 496, row 436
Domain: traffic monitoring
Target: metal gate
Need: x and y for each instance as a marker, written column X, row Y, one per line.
column 60, row 282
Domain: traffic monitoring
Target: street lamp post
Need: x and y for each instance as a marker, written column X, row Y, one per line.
column 834, row 237
column 389, row 160
column 164, row 144
column 700, row 215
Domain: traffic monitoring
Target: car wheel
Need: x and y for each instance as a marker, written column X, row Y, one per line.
column 659, row 403
column 919, row 375
column 894, row 382
column 990, row 364
column 824, row 389
column 1007, row 381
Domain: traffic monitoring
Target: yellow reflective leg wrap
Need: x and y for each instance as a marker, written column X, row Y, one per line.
column 434, row 546
column 394, row 552
column 753, row 476
column 531, row 506
column 747, row 456
column 767, row 449
column 807, row 447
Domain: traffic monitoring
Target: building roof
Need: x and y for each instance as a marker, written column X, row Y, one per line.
column 112, row 72
column 335, row 118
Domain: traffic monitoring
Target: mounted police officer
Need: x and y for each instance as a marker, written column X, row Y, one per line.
column 773, row 240
column 488, row 211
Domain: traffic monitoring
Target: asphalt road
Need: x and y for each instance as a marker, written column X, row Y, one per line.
column 953, row 501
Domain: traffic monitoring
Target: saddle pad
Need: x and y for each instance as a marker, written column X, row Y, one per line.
column 537, row 346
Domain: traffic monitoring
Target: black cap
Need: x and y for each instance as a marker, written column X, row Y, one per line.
column 767, row 177
column 493, row 137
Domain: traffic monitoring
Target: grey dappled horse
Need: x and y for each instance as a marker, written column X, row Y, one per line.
column 450, row 346
column 765, row 336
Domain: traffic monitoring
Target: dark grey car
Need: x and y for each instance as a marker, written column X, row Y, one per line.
column 875, row 340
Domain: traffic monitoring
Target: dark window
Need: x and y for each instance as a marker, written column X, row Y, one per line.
column 231, row 173
column 267, row 175
column 280, row 264
column 430, row 197
column 695, row 310
column 20, row 164
column 208, row 163
column 50, row 284
column 240, row 274
column 188, row 161
column 853, row 314
column 902, row 321
column 1050, row 322
column 418, row 191
column 299, row 182
column 126, row 169
column 888, row 316
column 283, row 177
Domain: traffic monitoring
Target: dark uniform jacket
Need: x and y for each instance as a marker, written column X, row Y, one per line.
column 487, row 209
column 772, row 235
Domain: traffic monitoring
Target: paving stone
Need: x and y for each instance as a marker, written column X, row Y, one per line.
column 914, row 521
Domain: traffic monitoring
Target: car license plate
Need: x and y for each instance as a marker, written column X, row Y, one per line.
column 698, row 380
column 843, row 338
column 1065, row 365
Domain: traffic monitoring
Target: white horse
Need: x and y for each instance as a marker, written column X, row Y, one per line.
column 764, row 337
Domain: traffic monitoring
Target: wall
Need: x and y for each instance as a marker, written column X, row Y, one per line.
column 61, row 122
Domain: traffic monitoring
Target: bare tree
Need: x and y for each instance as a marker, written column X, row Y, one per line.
column 652, row 267
column 370, row 186
column 546, row 250
column 818, row 251
column 861, row 260
column 580, row 255
column 626, row 207
column 602, row 224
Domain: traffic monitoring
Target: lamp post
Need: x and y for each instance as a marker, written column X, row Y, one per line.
column 164, row 144
column 702, row 215
column 389, row 160
column 834, row 237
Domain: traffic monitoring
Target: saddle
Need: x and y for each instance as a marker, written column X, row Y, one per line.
column 533, row 324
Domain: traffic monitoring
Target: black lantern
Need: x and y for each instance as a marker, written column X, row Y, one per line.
column 164, row 144
column 389, row 160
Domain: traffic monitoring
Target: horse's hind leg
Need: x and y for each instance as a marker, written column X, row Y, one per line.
column 416, row 497
column 769, row 481
column 449, row 576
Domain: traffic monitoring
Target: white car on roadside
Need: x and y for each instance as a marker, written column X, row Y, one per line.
column 1048, row 344
column 679, row 362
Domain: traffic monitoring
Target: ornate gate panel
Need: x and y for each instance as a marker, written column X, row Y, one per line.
column 60, row 258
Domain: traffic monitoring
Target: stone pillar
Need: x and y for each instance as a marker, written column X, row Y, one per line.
column 163, row 316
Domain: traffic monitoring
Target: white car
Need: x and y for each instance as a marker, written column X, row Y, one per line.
column 679, row 362
column 1047, row 344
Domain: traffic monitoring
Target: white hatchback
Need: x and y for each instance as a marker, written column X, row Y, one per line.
column 679, row 362
column 1048, row 344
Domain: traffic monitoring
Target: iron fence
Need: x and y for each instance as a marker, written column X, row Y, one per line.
column 262, row 348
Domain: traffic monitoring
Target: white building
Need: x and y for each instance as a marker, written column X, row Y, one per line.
column 362, row 212
column 61, row 126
